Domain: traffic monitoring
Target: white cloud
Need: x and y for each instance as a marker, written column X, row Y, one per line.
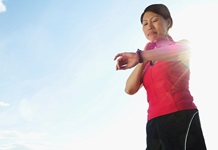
column 2, row 7
column 26, row 141
column 4, row 104
column 20, row 135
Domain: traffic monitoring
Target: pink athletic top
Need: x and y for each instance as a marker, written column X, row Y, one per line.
column 167, row 86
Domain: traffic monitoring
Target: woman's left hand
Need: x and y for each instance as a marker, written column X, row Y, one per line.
column 126, row 60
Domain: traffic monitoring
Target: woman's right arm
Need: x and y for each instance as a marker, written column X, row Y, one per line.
column 133, row 82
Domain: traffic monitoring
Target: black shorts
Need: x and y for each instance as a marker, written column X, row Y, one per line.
column 177, row 131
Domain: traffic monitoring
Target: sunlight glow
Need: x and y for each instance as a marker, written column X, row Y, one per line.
column 201, row 28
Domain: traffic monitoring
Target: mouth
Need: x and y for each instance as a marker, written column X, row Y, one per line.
column 152, row 33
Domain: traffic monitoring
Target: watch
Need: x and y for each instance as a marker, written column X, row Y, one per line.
column 139, row 53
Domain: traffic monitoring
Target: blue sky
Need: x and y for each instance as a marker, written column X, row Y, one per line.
column 59, row 88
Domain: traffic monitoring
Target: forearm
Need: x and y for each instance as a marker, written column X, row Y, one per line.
column 133, row 82
column 175, row 52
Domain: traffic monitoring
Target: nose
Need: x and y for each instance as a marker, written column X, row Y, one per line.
column 150, row 25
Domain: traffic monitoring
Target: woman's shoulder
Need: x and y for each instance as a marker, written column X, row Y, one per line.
column 183, row 41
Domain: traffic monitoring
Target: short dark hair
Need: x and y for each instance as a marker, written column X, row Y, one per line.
column 159, row 9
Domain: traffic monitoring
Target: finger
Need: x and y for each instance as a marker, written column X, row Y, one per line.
column 117, row 67
column 120, row 62
column 123, row 68
column 118, row 55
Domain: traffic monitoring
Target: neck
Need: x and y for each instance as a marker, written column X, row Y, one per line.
column 164, row 41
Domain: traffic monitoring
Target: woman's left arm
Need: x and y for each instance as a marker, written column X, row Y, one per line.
column 178, row 51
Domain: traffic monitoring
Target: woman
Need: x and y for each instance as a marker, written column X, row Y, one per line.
column 163, row 69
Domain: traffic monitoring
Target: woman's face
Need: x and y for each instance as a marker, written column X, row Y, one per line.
column 155, row 26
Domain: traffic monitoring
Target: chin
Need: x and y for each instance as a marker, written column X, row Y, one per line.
column 153, row 39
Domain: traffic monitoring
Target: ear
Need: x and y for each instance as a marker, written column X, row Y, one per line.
column 169, row 23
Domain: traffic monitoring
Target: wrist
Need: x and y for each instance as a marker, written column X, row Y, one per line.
column 139, row 53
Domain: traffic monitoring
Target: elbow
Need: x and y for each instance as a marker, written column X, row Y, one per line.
column 130, row 91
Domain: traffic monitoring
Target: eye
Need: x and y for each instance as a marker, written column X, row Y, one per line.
column 155, row 19
column 145, row 23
